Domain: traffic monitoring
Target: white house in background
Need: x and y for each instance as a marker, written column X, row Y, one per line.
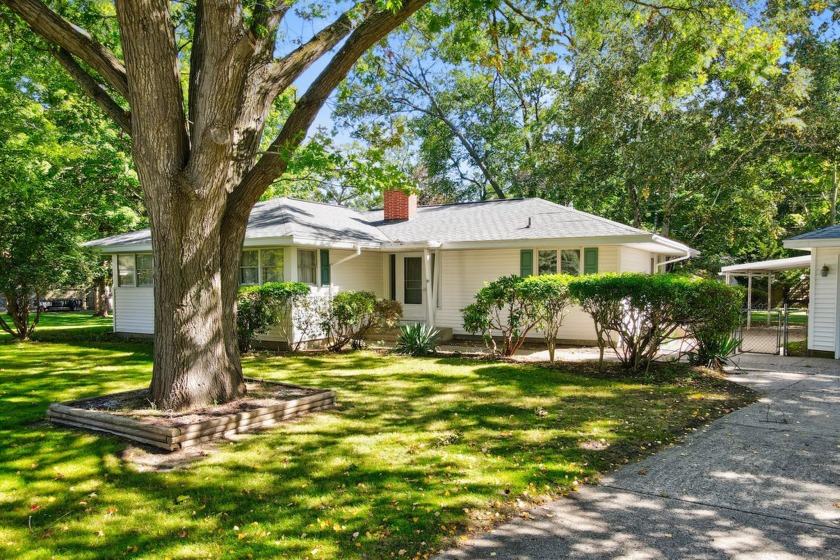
column 823, row 312
column 432, row 259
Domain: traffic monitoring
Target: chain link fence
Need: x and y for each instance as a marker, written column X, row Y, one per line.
column 782, row 332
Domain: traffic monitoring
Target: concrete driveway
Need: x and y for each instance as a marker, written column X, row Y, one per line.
column 762, row 482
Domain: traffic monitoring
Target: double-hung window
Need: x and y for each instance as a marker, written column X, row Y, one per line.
column 272, row 265
column 570, row 261
column 547, row 262
column 308, row 266
column 135, row 270
column 249, row 268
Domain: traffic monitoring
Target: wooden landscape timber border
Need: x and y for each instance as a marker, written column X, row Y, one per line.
column 173, row 438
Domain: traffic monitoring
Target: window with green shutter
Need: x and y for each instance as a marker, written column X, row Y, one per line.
column 325, row 267
column 526, row 263
column 590, row 260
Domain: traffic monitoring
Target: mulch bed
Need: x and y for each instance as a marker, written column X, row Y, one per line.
column 130, row 414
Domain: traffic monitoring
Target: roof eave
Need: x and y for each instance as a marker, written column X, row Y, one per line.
column 808, row 244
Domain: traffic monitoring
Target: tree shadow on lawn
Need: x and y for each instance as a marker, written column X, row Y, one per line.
column 420, row 451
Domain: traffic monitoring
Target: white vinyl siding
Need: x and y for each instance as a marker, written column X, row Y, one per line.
column 134, row 308
column 464, row 272
column 823, row 312
column 635, row 260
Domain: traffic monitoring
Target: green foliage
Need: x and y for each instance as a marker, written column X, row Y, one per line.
column 260, row 308
column 65, row 177
column 716, row 314
column 512, row 306
column 351, row 315
column 552, row 299
column 419, row 339
column 635, row 313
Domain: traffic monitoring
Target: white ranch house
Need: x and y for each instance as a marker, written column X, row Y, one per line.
column 432, row 259
column 824, row 302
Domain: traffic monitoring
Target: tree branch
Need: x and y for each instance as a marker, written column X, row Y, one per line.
column 283, row 72
column 157, row 100
column 74, row 40
column 94, row 90
column 274, row 162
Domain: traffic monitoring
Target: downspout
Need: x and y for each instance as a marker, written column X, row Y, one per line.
column 348, row 257
column 672, row 261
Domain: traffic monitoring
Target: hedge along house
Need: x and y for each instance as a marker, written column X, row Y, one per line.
column 432, row 259
column 824, row 302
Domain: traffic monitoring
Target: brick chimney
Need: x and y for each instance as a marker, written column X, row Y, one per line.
column 400, row 206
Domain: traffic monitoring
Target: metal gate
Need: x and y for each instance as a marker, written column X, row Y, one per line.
column 782, row 332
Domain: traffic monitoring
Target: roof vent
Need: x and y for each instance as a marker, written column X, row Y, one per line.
column 399, row 205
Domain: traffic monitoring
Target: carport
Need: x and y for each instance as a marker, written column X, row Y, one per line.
column 763, row 269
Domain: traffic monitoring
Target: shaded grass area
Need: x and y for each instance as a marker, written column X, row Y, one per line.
column 421, row 452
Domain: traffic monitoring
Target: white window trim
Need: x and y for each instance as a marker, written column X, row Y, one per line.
column 580, row 249
column 317, row 283
column 133, row 284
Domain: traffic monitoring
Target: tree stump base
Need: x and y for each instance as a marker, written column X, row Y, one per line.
column 128, row 414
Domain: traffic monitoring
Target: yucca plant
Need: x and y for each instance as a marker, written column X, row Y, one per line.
column 713, row 350
column 418, row 339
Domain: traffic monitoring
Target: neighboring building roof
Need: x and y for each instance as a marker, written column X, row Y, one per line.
column 831, row 232
column 825, row 237
column 509, row 220
column 791, row 263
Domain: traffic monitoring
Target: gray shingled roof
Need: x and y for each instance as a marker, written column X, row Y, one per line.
column 498, row 220
column 831, row 232
column 285, row 217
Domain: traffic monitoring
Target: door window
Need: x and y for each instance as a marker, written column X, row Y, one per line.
column 413, row 281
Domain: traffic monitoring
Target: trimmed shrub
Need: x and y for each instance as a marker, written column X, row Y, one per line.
column 419, row 339
column 713, row 326
column 351, row 315
column 551, row 298
column 508, row 305
column 635, row 314
column 261, row 308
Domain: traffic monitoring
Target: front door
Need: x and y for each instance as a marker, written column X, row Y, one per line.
column 410, row 286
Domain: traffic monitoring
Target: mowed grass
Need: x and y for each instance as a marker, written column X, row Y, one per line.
column 420, row 453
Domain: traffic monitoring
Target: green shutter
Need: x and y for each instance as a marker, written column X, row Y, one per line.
column 590, row 260
column 325, row 267
column 526, row 263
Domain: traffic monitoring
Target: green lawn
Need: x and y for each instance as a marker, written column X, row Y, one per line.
column 420, row 453
column 798, row 317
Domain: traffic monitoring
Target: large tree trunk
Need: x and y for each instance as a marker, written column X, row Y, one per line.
column 193, row 331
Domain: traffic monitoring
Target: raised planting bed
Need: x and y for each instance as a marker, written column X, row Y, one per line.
column 129, row 414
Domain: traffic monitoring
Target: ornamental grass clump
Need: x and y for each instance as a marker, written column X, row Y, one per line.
column 419, row 339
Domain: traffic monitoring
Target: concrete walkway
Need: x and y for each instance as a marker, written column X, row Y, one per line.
column 762, row 482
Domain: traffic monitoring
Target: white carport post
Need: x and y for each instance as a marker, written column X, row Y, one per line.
column 430, row 290
column 769, row 295
column 749, row 299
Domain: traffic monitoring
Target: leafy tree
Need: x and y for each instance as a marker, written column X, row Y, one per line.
column 53, row 149
column 193, row 85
